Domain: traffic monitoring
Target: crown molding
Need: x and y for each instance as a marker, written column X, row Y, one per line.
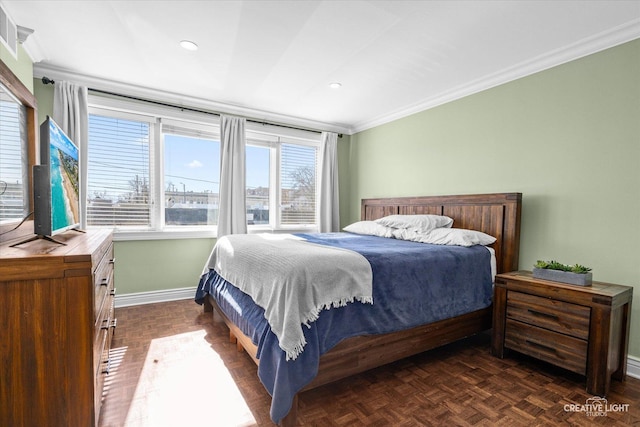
column 57, row 73
column 599, row 42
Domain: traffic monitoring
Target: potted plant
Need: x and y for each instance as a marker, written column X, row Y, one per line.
column 573, row 274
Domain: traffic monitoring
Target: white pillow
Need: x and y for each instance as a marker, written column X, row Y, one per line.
column 408, row 234
column 419, row 223
column 457, row 237
column 369, row 228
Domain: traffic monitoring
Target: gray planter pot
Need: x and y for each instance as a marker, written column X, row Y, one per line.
column 580, row 279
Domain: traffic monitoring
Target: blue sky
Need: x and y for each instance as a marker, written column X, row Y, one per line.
column 195, row 163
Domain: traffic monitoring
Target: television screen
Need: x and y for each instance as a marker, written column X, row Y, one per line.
column 56, row 182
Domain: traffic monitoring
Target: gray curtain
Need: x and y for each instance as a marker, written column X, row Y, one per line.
column 71, row 113
column 329, row 195
column 233, row 212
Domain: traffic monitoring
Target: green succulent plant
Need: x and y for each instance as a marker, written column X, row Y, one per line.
column 555, row 265
column 581, row 269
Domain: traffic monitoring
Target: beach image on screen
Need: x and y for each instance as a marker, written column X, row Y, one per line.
column 65, row 211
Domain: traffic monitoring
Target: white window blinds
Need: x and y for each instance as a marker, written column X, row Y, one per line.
column 119, row 184
column 298, row 165
column 13, row 181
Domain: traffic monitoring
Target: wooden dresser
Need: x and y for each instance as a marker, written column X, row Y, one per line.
column 584, row 329
column 57, row 317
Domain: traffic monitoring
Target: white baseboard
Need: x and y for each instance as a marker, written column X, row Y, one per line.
column 151, row 297
column 633, row 367
column 126, row 300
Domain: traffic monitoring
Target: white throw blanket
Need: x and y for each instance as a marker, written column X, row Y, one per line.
column 291, row 279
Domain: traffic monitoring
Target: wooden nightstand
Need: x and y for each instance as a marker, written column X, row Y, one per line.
column 582, row 329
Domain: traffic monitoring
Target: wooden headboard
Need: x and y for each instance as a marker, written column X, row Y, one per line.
column 496, row 214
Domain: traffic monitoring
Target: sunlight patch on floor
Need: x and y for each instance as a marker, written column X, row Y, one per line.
column 185, row 383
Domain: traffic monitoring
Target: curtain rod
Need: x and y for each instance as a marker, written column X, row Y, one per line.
column 47, row 80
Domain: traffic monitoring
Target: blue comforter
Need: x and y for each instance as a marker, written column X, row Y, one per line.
column 413, row 284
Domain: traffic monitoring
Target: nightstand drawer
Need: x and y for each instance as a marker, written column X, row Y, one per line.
column 559, row 316
column 558, row 349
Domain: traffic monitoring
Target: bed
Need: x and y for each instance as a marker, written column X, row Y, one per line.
column 336, row 357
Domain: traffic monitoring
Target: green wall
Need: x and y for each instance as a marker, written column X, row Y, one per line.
column 44, row 95
column 22, row 66
column 568, row 138
column 153, row 265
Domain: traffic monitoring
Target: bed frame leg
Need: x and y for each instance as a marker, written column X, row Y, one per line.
column 207, row 306
column 292, row 417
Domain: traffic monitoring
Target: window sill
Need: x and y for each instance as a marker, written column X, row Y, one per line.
column 197, row 233
column 125, row 235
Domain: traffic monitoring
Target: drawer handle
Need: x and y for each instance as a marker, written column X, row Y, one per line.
column 104, row 282
column 542, row 346
column 113, row 292
column 540, row 313
column 112, row 260
column 108, row 367
column 114, row 323
column 105, row 324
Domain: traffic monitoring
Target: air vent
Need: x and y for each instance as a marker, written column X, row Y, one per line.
column 8, row 32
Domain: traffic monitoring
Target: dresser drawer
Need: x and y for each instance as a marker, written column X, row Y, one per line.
column 101, row 335
column 102, row 346
column 101, row 349
column 103, row 281
column 567, row 352
column 105, row 322
column 559, row 316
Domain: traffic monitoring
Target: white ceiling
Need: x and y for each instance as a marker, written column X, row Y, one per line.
column 273, row 60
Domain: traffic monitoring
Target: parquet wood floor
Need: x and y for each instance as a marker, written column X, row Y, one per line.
column 173, row 366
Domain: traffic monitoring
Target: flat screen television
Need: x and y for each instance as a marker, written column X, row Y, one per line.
column 56, row 183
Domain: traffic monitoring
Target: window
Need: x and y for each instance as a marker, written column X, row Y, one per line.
column 258, row 186
column 298, row 184
column 119, row 187
column 13, row 141
column 281, row 180
column 158, row 169
column 191, row 178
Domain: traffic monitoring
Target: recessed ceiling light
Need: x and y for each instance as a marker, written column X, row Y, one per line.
column 335, row 85
column 189, row 45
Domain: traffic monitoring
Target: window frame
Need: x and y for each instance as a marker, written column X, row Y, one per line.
column 160, row 116
column 188, row 129
column 117, row 114
column 10, row 105
column 274, row 138
column 157, row 115
column 25, row 97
